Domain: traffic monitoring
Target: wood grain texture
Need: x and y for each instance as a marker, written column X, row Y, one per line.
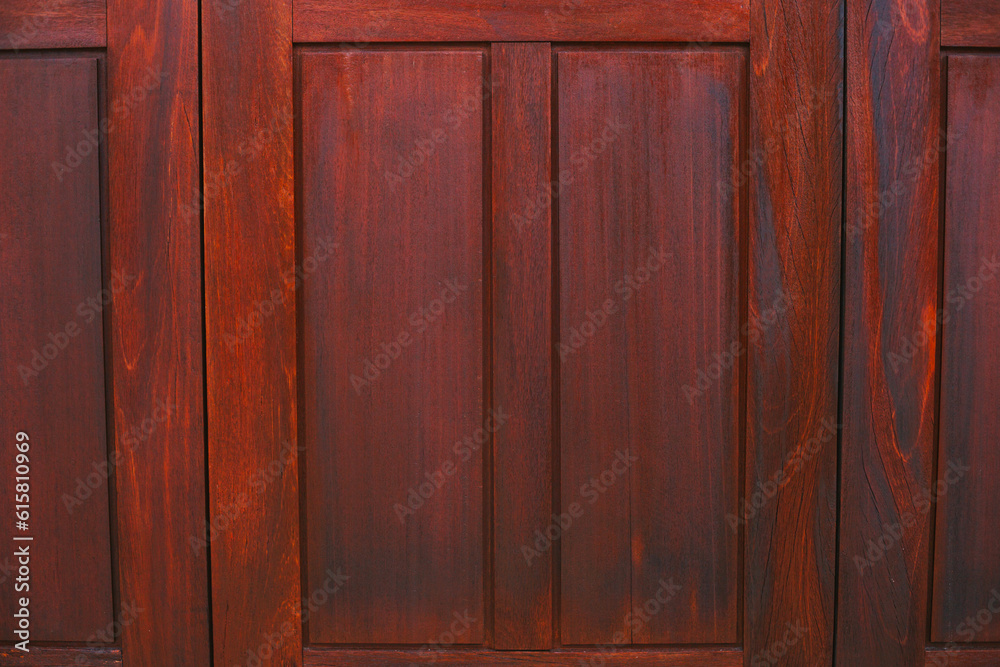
column 522, row 334
column 51, row 353
column 795, row 184
column 891, row 296
column 962, row 656
column 154, row 166
column 393, row 342
column 649, row 291
column 251, row 374
column 616, row 657
column 521, row 20
column 967, row 543
column 974, row 23
column 52, row 24
column 50, row 656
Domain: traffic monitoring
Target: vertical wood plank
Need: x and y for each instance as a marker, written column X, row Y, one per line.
column 153, row 151
column 967, row 542
column 251, row 369
column 795, row 185
column 891, row 297
column 522, row 334
column 392, row 339
column 52, row 377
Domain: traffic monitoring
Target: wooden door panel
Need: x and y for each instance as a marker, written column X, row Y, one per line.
column 649, row 291
column 52, row 343
column 31, row 24
column 967, row 543
column 656, row 138
column 392, row 182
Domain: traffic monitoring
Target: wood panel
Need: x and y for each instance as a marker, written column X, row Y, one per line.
column 56, row 24
column 891, row 298
column 522, row 20
column 704, row 657
column 52, row 342
column 967, row 544
column 154, row 165
column 393, row 342
column 970, row 23
column 522, row 332
column 794, row 177
column 251, row 369
column 649, row 291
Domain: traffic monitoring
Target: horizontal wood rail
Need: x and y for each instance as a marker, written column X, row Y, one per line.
column 610, row 657
column 361, row 21
column 52, row 24
column 970, row 23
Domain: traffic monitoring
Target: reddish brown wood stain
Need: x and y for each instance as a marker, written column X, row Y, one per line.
column 891, row 293
column 393, row 342
column 967, row 543
column 662, row 130
column 51, row 340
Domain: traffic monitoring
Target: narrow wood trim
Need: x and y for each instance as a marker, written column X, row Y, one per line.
column 153, row 162
column 607, row 656
column 522, row 20
column 522, row 341
column 955, row 655
column 891, row 294
column 250, row 245
column 795, row 185
column 35, row 24
column 970, row 23
column 57, row 656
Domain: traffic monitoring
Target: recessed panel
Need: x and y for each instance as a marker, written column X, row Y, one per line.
column 648, row 215
column 52, row 372
column 392, row 342
column 967, row 542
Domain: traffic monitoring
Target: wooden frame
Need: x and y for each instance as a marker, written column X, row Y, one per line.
column 153, row 330
column 794, row 248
